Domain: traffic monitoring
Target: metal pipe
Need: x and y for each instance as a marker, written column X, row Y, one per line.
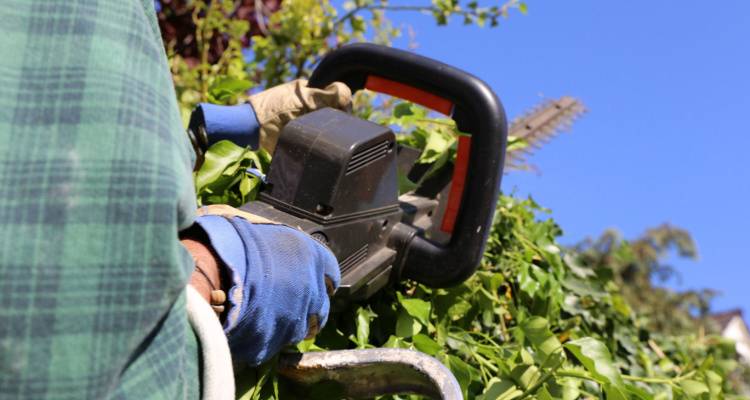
column 373, row 372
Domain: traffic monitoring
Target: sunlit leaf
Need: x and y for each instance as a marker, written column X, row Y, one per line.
column 407, row 326
column 693, row 388
column 536, row 331
column 225, row 87
column 364, row 316
column 425, row 344
column 498, row 389
column 417, row 308
column 596, row 358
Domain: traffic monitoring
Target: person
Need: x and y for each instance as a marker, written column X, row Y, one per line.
column 110, row 277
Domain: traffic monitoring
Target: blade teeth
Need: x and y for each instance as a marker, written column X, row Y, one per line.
column 540, row 124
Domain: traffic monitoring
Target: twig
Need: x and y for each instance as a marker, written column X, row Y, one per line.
column 666, row 381
column 355, row 10
column 382, row 7
column 260, row 17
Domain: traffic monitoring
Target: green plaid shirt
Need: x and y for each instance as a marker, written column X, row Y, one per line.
column 95, row 182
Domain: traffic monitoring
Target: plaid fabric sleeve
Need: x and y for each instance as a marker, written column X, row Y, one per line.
column 95, row 182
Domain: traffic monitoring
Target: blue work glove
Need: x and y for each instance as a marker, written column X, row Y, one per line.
column 237, row 123
column 278, row 294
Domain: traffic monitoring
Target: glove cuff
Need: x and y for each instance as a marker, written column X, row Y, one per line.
column 238, row 123
column 227, row 243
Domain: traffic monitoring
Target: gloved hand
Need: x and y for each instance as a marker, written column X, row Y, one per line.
column 280, row 282
column 278, row 105
column 261, row 121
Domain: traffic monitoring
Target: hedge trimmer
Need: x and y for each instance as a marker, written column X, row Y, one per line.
column 336, row 177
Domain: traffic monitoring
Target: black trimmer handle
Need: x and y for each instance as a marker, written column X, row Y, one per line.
column 480, row 156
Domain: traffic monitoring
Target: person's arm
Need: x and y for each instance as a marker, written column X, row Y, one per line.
column 206, row 278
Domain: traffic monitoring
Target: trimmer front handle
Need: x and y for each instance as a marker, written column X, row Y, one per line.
column 480, row 156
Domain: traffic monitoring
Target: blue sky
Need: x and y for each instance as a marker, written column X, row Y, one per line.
column 667, row 136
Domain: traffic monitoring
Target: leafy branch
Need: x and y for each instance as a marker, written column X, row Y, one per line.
column 442, row 11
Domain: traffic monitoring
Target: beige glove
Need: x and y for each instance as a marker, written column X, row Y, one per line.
column 228, row 211
column 278, row 105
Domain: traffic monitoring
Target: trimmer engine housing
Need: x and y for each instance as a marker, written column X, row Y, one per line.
column 334, row 176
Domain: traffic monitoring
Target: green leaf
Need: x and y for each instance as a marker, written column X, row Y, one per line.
column 305, row 345
column 405, row 185
column 529, row 281
column 543, row 394
column 714, row 382
column 358, row 23
column 463, row 372
column 570, row 389
column 417, row 308
column 406, row 325
column 638, row 392
column 578, row 270
column 425, row 344
column 596, row 358
column 583, row 287
column 525, row 375
column 225, row 87
column 526, row 357
column 693, row 388
column 395, row 342
column 622, row 307
column 364, row 316
column 615, row 392
column 437, row 144
column 459, row 309
column 523, row 8
column 246, row 185
column 402, row 110
column 497, row 389
column 536, row 331
column 219, row 157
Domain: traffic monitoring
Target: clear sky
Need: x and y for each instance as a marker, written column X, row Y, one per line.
column 667, row 138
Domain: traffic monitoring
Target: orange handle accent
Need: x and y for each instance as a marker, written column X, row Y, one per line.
column 443, row 106
column 406, row 92
column 457, row 186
